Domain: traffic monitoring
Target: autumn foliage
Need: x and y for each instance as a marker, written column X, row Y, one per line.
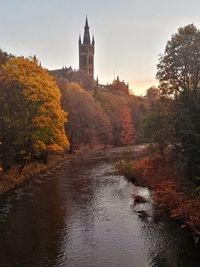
column 32, row 121
column 178, row 74
column 88, row 124
column 40, row 115
column 121, row 116
column 96, row 118
column 168, row 190
column 126, row 135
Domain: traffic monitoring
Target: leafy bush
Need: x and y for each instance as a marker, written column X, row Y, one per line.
column 167, row 194
column 124, row 167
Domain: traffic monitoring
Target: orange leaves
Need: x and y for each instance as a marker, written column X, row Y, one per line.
column 147, row 169
column 43, row 95
column 87, row 124
column 42, row 121
column 39, row 146
column 127, row 131
column 54, row 148
column 188, row 211
column 180, row 206
column 118, row 109
column 167, row 194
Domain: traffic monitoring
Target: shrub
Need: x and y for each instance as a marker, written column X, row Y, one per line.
column 124, row 167
column 167, row 195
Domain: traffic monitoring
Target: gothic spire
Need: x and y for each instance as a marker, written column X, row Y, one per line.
column 86, row 23
column 86, row 38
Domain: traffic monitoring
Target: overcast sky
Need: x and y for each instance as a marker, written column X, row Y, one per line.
column 129, row 34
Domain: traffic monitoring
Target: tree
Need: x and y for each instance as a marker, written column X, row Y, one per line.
column 14, row 119
column 152, row 95
column 179, row 76
column 139, row 108
column 157, row 126
column 4, row 57
column 179, row 67
column 33, row 116
column 119, row 113
column 88, row 123
column 126, row 132
column 111, row 104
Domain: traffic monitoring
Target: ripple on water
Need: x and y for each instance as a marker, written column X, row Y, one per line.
column 84, row 215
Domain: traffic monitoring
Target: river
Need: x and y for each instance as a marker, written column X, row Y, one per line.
column 83, row 215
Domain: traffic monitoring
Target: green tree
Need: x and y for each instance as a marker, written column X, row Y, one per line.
column 179, row 76
column 152, row 95
column 157, row 126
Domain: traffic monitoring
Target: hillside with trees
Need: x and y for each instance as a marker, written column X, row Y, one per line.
column 45, row 114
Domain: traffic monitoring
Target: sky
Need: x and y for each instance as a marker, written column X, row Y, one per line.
column 129, row 34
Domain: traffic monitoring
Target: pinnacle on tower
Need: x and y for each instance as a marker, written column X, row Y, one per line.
column 86, row 23
column 86, row 38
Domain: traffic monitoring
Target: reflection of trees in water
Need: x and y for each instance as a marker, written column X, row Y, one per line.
column 169, row 245
column 31, row 234
column 80, row 186
column 57, row 221
column 39, row 227
column 80, row 192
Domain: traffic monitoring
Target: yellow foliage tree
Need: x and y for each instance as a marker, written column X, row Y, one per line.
column 40, row 90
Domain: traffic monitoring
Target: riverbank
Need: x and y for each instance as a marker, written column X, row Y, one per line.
column 169, row 189
column 85, row 211
column 13, row 178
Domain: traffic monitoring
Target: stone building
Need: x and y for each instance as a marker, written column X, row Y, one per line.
column 85, row 74
column 86, row 52
column 119, row 87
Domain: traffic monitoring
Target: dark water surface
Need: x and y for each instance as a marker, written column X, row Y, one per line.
column 83, row 215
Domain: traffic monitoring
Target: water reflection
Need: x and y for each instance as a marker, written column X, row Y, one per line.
column 84, row 215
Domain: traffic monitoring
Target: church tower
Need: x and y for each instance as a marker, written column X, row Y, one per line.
column 86, row 52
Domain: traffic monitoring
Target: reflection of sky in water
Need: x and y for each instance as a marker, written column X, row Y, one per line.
column 84, row 215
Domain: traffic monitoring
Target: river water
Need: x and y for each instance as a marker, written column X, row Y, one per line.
column 83, row 215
